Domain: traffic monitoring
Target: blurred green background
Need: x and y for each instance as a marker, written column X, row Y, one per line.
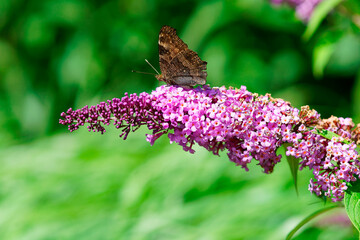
column 57, row 54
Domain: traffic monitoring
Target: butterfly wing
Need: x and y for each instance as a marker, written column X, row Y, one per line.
column 178, row 64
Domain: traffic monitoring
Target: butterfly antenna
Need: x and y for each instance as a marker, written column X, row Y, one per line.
column 152, row 66
column 142, row 72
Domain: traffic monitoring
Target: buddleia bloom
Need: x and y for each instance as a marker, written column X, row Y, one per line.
column 246, row 126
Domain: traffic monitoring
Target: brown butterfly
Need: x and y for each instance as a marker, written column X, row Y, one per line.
column 178, row 64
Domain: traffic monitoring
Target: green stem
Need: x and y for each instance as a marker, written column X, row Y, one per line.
column 307, row 219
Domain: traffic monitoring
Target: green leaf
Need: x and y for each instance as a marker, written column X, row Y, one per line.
column 307, row 219
column 356, row 98
column 329, row 135
column 352, row 203
column 321, row 57
column 324, row 48
column 353, row 5
column 318, row 15
column 292, row 161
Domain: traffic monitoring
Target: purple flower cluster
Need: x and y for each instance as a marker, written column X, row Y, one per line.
column 219, row 118
column 243, row 124
column 334, row 162
column 304, row 8
column 128, row 114
column 233, row 119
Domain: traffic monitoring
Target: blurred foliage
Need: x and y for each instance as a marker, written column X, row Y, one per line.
column 68, row 53
column 57, row 54
column 90, row 187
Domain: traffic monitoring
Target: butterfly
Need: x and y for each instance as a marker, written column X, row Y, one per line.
column 179, row 65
